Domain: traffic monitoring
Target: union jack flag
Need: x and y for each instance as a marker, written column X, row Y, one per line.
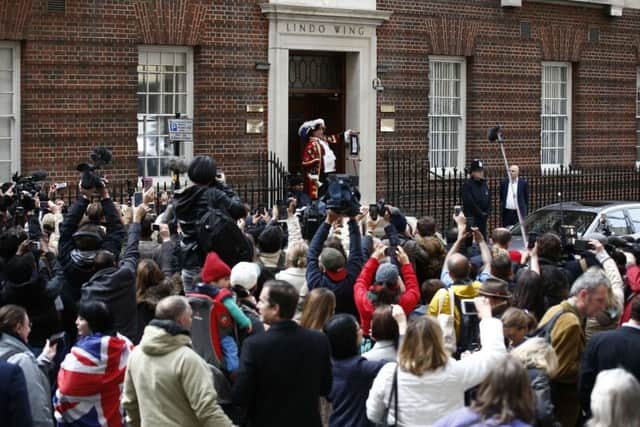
column 90, row 382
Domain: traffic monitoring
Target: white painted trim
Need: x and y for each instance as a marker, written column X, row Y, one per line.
column 187, row 147
column 342, row 4
column 462, row 132
column 16, row 149
column 361, row 63
column 569, row 131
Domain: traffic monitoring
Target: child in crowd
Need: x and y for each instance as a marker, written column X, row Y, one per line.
column 216, row 285
column 517, row 323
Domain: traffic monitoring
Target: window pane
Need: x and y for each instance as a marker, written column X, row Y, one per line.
column 6, row 103
column 168, row 104
column 154, row 82
column 164, row 167
column 140, row 140
column 154, row 104
column 142, row 82
column 6, row 81
column 152, row 167
column 5, row 171
column 182, row 104
column 181, row 82
column 5, row 149
column 6, row 58
column 5, row 127
column 153, row 58
column 141, row 167
column 142, row 104
column 167, row 81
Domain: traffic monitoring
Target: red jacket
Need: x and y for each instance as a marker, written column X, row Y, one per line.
column 408, row 299
column 633, row 277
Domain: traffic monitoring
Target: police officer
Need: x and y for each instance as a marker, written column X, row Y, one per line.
column 476, row 199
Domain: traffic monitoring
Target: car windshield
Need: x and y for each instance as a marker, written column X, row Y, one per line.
column 546, row 220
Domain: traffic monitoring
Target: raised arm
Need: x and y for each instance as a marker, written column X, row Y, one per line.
column 314, row 275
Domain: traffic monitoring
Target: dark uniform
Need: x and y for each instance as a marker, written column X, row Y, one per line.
column 476, row 200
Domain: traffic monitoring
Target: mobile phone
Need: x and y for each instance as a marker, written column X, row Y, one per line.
column 373, row 211
column 60, row 185
column 467, row 306
column 390, row 251
column 457, row 209
column 531, row 239
column 136, row 199
column 583, row 245
column 34, row 245
column 155, row 227
column 55, row 338
column 282, row 210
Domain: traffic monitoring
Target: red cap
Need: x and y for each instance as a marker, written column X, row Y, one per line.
column 214, row 268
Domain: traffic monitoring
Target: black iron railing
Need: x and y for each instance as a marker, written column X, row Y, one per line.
column 418, row 189
column 265, row 187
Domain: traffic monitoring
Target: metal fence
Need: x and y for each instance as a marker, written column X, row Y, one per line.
column 265, row 187
column 417, row 189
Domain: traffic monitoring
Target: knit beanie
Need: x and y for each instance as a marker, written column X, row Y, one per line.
column 270, row 240
column 20, row 268
column 387, row 273
column 245, row 274
column 214, row 268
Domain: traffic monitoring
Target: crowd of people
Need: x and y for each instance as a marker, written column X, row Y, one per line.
column 206, row 311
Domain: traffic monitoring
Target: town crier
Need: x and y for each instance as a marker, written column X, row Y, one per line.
column 318, row 159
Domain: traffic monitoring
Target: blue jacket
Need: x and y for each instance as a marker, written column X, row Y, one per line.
column 343, row 290
column 14, row 400
column 352, row 380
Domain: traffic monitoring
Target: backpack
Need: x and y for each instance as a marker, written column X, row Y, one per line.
column 545, row 331
column 469, row 331
column 217, row 232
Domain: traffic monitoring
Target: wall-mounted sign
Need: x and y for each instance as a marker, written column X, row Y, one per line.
column 255, row 126
column 255, row 108
column 180, row 130
column 387, row 125
column 386, row 108
column 325, row 29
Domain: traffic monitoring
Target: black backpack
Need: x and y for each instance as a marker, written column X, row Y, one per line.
column 217, row 232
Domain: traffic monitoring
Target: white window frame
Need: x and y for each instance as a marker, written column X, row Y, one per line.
column 637, row 144
column 16, row 163
column 568, row 128
column 462, row 129
column 186, row 148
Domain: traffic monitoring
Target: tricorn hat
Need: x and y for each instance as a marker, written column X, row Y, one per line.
column 307, row 127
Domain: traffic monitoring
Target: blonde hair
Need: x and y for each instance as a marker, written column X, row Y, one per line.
column 536, row 353
column 422, row 349
column 519, row 319
column 318, row 308
column 297, row 255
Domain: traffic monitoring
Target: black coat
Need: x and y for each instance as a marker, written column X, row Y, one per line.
column 116, row 287
column 14, row 399
column 476, row 199
column 522, row 193
column 282, row 374
column 608, row 350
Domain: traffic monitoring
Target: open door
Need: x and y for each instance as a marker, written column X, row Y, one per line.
column 316, row 90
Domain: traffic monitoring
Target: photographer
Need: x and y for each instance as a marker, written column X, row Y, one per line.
column 208, row 192
column 78, row 245
column 327, row 268
column 115, row 283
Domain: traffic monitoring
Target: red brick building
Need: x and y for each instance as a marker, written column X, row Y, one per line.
column 428, row 76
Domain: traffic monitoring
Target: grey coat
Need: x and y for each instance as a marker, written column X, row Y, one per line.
column 36, row 375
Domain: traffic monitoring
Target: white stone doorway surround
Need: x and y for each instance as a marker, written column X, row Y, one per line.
column 353, row 31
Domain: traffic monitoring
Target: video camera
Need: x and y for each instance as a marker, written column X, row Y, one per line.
column 342, row 196
column 90, row 179
column 29, row 185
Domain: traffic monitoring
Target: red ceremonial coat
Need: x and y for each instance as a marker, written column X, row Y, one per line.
column 313, row 164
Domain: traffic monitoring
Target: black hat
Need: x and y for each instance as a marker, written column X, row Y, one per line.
column 476, row 165
column 20, row 268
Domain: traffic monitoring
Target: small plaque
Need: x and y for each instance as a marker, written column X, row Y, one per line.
column 386, row 108
column 255, row 108
column 255, row 126
column 387, row 125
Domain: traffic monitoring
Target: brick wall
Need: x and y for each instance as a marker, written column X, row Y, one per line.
column 504, row 73
column 79, row 79
column 79, row 76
